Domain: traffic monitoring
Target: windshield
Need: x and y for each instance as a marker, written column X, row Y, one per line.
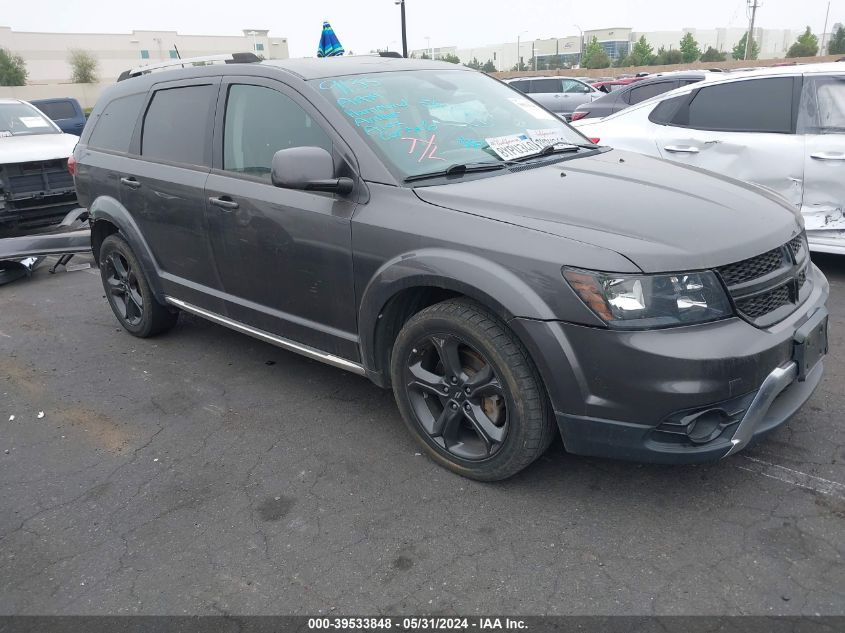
column 21, row 119
column 426, row 120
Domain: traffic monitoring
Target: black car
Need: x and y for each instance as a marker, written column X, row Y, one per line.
column 430, row 228
column 634, row 93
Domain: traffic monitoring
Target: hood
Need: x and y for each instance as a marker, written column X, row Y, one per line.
column 25, row 149
column 662, row 216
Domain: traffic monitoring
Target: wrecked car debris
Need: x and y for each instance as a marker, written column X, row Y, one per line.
column 20, row 255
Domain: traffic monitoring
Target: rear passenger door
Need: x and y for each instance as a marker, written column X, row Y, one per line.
column 164, row 189
column 284, row 256
column 744, row 129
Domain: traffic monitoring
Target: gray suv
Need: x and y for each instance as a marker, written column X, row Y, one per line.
column 430, row 228
column 561, row 95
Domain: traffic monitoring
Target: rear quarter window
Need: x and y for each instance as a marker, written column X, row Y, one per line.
column 177, row 126
column 116, row 123
column 58, row 110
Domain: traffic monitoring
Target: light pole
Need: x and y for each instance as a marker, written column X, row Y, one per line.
column 253, row 34
column 428, row 46
column 401, row 4
column 519, row 52
column 580, row 46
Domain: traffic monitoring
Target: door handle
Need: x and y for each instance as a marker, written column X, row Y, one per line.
column 828, row 155
column 681, row 149
column 130, row 182
column 223, row 202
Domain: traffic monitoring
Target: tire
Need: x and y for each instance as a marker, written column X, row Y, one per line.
column 483, row 411
column 128, row 291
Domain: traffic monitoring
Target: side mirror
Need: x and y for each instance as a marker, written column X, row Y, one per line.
column 308, row 169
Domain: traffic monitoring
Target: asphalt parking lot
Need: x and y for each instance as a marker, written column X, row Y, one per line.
column 204, row 472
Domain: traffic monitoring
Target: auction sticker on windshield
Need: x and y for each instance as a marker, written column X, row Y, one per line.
column 513, row 146
column 33, row 121
column 550, row 136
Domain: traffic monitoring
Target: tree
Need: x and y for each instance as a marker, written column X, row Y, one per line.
column 642, row 53
column 666, row 58
column 689, row 49
column 489, row 66
column 837, row 42
column 474, row 64
column 84, row 66
column 425, row 56
column 807, row 45
column 739, row 50
column 595, row 56
column 451, row 58
column 520, row 65
column 12, row 69
column 712, row 55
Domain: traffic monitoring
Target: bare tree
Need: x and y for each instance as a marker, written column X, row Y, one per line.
column 84, row 66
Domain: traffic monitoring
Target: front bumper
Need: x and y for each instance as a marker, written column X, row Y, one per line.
column 631, row 395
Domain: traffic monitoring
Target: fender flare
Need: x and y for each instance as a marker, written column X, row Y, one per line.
column 487, row 282
column 108, row 209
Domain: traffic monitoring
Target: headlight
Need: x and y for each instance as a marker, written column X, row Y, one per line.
column 651, row 301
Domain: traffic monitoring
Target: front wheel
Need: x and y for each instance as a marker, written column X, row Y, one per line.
column 469, row 392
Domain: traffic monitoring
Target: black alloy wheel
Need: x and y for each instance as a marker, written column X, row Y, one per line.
column 128, row 291
column 124, row 292
column 456, row 396
column 469, row 392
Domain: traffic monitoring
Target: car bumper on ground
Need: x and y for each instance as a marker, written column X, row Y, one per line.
column 678, row 395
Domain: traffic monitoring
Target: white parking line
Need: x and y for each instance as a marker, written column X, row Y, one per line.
column 793, row 477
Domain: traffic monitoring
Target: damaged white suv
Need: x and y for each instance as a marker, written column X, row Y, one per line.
column 35, row 186
column 783, row 128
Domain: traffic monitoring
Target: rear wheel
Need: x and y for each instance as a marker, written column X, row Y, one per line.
column 128, row 291
column 469, row 392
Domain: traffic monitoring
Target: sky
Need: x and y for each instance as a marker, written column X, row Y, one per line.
column 366, row 25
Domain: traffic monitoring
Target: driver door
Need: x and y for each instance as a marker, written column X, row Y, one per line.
column 822, row 121
column 284, row 256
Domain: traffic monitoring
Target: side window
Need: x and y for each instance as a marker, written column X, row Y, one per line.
column 545, row 85
column 574, row 87
column 116, row 123
column 259, row 122
column 822, row 108
column 754, row 105
column 641, row 93
column 176, row 127
column 522, row 86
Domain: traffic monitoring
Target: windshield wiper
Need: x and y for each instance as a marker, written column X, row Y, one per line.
column 460, row 169
column 557, row 148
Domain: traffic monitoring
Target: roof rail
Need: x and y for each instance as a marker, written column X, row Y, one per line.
column 205, row 60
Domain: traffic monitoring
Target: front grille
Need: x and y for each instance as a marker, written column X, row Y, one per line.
column 40, row 178
column 795, row 245
column 762, row 304
column 753, row 268
column 763, row 285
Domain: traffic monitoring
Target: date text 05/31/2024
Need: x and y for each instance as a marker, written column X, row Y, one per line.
column 417, row 624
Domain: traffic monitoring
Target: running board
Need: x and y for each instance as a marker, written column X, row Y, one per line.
column 304, row 350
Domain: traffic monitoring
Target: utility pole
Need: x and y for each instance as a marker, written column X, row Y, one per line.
column 824, row 30
column 749, row 41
